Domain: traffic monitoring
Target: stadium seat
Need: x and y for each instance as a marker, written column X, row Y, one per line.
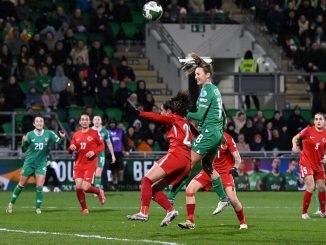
column 24, row 86
column 89, row 100
column 7, row 129
column 19, row 116
column 97, row 37
column 306, row 114
column 268, row 113
column 137, row 18
column 129, row 29
column 132, row 86
column 98, row 112
column 114, row 113
column 115, row 87
column 81, row 36
column 116, row 29
column 75, row 112
column 232, row 112
column 61, row 114
column 251, row 112
column 108, row 51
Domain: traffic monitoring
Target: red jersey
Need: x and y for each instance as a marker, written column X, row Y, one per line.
column 179, row 132
column 85, row 142
column 314, row 146
column 224, row 160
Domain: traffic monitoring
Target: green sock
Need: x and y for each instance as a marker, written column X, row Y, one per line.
column 97, row 182
column 18, row 189
column 317, row 199
column 39, row 196
column 218, row 187
column 175, row 189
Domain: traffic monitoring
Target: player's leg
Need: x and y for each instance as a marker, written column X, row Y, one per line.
column 163, row 201
column 16, row 192
column 98, row 172
column 87, row 185
column 216, row 183
column 321, row 195
column 176, row 188
column 40, row 178
column 26, row 172
column 153, row 175
column 237, row 206
column 81, row 194
column 310, row 186
column 193, row 187
column 317, row 202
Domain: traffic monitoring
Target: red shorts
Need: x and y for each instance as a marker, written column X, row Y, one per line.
column 87, row 174
column 176, row 166
column 305, row 171
column 204, row 179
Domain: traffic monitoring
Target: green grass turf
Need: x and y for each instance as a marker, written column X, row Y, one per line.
column 273, row 218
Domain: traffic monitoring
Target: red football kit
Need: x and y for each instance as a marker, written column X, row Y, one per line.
column 223, row 163
column 86, row 141
column 176, row 163
column 314, row 146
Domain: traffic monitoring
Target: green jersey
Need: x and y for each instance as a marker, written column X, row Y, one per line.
column 37, row 147
column 242, row 182
column 105, row 136
column 255, row 177
column 272, row 182
column 209, row 101
column 291, row 181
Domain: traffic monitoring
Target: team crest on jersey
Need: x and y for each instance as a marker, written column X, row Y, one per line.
column 46, row 139
column 32, row 140
column 89, row 138
column 324, row 140
column 203, row 93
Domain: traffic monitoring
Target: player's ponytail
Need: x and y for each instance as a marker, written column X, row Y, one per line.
column 195, row 62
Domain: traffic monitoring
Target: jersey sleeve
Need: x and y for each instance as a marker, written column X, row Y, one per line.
column 24, row 145
column 304, row 133
column 55, row 137
column 203, row 103
column 156, row 117
column 231, row 143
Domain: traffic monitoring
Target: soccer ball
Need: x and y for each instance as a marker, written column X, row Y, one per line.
column 152, row 10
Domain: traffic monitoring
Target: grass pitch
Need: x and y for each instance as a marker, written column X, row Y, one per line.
column 273, row 218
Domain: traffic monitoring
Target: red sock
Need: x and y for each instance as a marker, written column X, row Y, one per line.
column 191, row 212
column 162, row 200
column 241, row 216
column 322, row 200
column 146, row 194
column 93, row 189
column 306, row 201
column 81, row 198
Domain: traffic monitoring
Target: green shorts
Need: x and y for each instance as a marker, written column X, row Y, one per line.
column 28, row 170
column 101, row 160
column 208, row 141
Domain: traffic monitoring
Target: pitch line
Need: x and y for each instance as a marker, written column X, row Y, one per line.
column 86, row 236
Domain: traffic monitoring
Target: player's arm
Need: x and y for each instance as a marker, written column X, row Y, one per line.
column 100, row 145
column 204, row 101
column 156, row 117
column 25, row 142
column 237, row 159
column 56, row 138
column 110, row 147
column 295, row 144
column 73, row 145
